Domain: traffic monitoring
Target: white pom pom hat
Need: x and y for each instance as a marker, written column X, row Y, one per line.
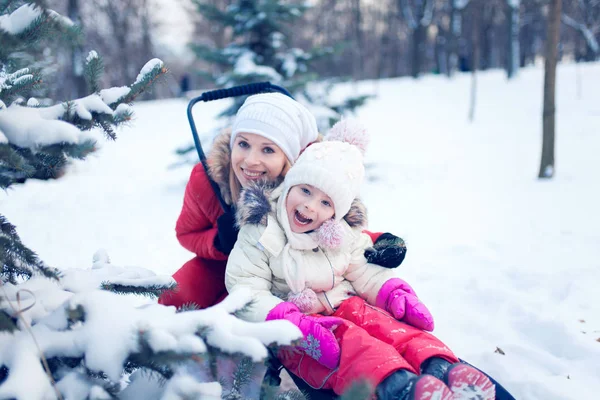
column 334, row 166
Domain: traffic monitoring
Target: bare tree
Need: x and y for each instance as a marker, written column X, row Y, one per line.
column 121, row 30
column 583, row 16
column 476, row 6
column 418, row 15
column 514, row 56
column 456, row 9
column 357, row 59
column 547, row 164
column 78, row 80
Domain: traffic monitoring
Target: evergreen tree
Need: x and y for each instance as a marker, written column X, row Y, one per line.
column 72, row 333
column 37, row 141
column 259, row 50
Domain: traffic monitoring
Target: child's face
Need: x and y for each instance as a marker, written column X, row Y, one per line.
column 307, row 208
column 254, row 157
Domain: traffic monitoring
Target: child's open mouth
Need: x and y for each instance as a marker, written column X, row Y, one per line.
column 301, row 219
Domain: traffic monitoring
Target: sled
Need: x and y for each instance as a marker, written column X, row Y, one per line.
column 274, row 367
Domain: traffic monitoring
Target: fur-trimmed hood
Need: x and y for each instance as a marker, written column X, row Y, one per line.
column 219, row 161
column 255, row 204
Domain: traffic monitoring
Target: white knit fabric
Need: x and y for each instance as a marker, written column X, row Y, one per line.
column 336, row 168
column 278, row 118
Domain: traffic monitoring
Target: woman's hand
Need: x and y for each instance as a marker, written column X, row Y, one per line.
column 227, row 232
column 388, row 251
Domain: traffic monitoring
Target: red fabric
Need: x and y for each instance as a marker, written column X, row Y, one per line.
column 202, row 279
column 373, row 235
column 199, row 281
column 196, row 226
column 373, row 346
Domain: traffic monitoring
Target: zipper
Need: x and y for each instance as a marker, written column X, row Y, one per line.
column 332, row 270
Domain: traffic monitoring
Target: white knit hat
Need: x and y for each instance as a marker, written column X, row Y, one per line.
column 278, row 118
column 334, row 166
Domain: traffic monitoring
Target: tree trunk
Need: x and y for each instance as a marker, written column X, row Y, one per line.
column 418, row 39
column 547, row 165
column 476, row 33
column 455, row 29
column 357, row 59
column 79, row 88
column 514, row 57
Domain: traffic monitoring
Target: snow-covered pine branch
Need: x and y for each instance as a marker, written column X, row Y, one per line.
column 37, row 141
column 92, row 339
column 27, row 24
column 58, row 132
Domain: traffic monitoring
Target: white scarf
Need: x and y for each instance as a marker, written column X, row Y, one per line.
column 293, row 251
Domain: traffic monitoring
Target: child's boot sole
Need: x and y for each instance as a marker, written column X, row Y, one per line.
column 428, row 387
column 468, row 383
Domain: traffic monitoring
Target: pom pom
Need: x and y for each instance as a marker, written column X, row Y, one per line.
column 350, row 131
column 330, row 234
column 306, row 300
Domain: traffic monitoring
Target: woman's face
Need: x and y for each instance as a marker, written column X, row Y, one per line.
column 254, row 158
column 307, row 208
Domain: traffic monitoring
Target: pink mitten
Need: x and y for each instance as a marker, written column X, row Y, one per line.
column 399, row 299
column 319, row 342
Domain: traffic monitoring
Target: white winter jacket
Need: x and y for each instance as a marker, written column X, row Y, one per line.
column 275, row 263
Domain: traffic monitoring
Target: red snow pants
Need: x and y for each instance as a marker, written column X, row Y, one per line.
column 373, row 345
column 199, row 281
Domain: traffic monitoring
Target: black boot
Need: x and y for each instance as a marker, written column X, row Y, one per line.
column 435, row 366
column 397, row 386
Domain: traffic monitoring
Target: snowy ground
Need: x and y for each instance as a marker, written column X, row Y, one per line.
column 502, row 259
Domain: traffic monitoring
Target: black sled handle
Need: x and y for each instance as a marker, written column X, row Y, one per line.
column 242, row 90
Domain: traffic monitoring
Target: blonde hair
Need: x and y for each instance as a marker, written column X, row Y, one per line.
column 235, row 187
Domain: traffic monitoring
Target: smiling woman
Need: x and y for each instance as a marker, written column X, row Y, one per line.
column 255, row 158
column 268, row 134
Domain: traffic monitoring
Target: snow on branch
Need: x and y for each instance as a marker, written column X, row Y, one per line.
column 245, row 65
column 21, row 19
column 584, row 30
column 29, row 127
column 85, row 333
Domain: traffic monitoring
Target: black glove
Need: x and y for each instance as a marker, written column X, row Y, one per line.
column 388, row 251
column 227, row 232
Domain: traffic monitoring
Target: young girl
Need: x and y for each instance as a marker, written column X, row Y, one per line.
column 301, row 258
column 268, row 134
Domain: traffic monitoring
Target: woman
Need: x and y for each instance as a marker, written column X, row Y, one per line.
column 269, row 132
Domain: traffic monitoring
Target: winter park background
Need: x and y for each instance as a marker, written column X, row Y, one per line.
column 506, row 262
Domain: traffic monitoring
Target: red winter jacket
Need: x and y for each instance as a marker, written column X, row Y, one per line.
column 196, row 226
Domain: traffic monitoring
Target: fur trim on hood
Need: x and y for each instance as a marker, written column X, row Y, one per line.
column 255, row 205
column 219, row 160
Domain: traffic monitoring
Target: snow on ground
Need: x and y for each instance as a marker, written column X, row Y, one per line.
column 502, row 259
